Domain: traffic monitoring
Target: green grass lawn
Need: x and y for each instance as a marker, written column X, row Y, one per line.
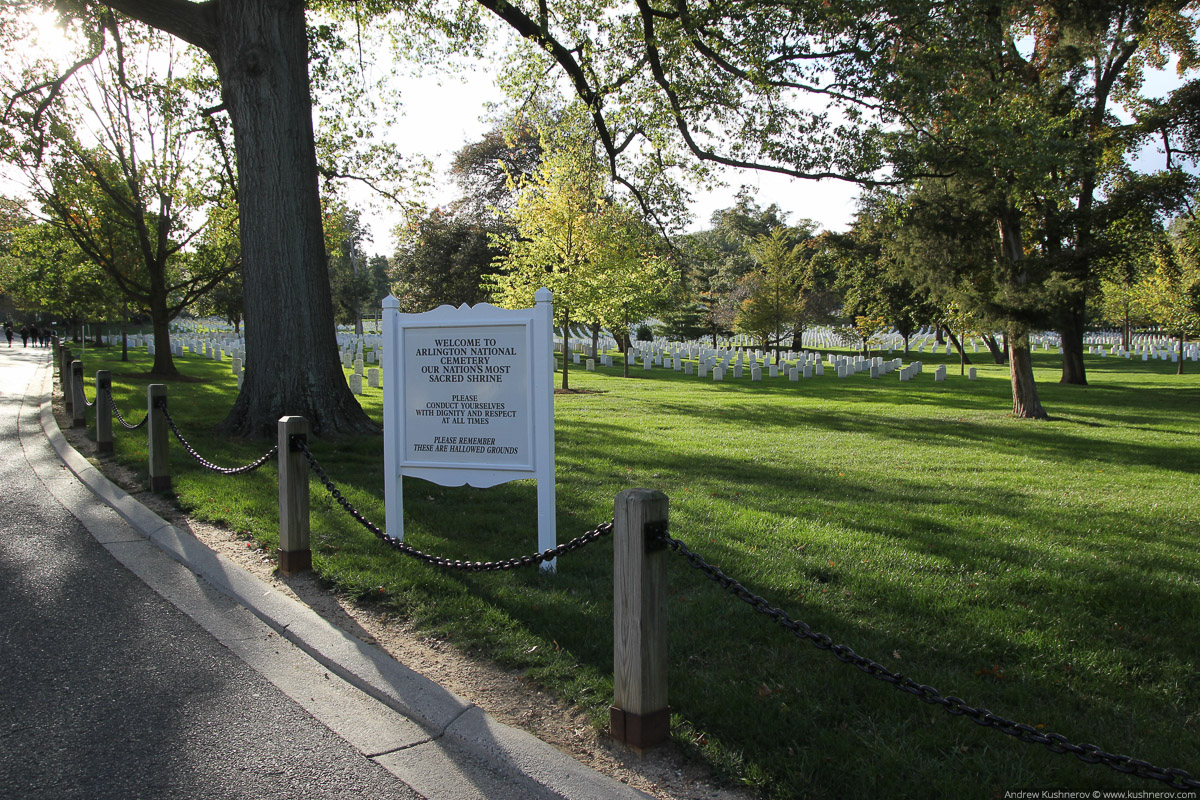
column 1048, row 571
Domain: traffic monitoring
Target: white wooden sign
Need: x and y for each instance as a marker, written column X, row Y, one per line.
column 469, row 399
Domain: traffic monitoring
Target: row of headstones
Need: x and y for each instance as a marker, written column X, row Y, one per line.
column 356, row 353
column 374, row 375
column 234, row 348
column 356, row 359
column 1147, row 352
column 1158, row 340
column 696, row 350
column 583, row 346
column 805, row 367
column 719, row 362
column 219, row 347
column 921, row 340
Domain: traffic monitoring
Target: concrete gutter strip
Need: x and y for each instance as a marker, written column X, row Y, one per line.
column 438, row 743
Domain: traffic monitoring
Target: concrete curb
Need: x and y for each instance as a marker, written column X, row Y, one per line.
column 464, row 752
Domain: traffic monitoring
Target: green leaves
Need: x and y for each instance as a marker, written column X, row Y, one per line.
column 596, row 256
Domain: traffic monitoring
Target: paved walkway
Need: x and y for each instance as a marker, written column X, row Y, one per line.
column 135, row 662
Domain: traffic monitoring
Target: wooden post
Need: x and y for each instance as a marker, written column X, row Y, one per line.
column 64, row 376
column 104, row 438
column 639, row 716
column 78, row 401
column 160, row 465
column 294, row 553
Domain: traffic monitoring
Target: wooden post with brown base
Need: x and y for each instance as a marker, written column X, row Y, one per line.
column 78, row 401
column 294, row 553
column 104, row 438
column 64, row 377
column 639, row 716
column 160, row 465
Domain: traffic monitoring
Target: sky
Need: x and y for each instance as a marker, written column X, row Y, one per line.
column 442, row 113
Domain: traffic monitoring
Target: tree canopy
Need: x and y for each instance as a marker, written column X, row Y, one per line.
column 571, row 237
column 115, row 160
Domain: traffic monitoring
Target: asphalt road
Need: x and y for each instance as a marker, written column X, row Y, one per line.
column 107, row 690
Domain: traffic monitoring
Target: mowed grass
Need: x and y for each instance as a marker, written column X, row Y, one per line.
column 1048, row 571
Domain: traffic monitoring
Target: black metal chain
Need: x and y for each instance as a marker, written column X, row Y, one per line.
column 113, row 405
column 253, row 465
column 467, row 566
column 1088, row 753
column 85, row 400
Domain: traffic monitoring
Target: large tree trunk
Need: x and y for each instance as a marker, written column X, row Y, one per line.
column 164, row 364
column 160, row 320
column 1026, row 404
column 1182, row 341
column 1071, row 330
column 292, row 365
column 260, row 48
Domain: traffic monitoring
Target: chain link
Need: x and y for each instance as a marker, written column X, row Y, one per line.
column 1088, row 753
column 253, row 465
column 466, row 566
column 113, row 405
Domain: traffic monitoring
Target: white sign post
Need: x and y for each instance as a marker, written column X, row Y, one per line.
column 469, row 399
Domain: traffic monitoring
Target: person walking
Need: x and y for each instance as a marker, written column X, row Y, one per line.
column 8, row 333
column 24, row 336
column 33, row 334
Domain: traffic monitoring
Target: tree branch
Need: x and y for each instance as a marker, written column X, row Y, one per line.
column 195, row 23
column 704, row 154
column 331, row 174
